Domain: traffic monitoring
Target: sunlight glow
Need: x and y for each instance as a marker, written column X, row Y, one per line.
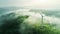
column 39, row 3
column 43, row 1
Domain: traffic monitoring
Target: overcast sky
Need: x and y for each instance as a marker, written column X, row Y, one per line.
column 31, row 3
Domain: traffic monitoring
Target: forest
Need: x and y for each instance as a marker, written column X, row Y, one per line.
column 24, row 24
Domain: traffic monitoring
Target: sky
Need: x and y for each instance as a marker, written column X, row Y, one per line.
column 31, row 3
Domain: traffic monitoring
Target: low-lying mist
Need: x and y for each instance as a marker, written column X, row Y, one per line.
column 27, row 22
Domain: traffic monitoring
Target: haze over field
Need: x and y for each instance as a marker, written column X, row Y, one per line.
column 52, row 16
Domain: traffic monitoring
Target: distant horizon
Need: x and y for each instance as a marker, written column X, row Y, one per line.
column 31, row 3
column 32, row 7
